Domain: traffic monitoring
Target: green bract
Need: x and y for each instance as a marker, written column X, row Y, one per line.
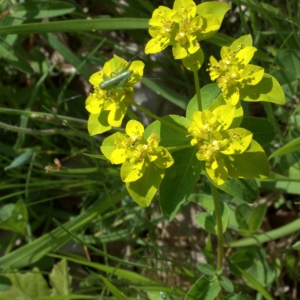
column 219, row 145
column 108, row 107
column 183, row 27
column 237, row 78
column 137, row 156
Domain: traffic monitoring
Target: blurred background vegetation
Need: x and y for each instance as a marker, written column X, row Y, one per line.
column 48, row 51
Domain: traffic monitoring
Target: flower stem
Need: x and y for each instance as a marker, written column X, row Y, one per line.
column 177, row 148
column 150, row 114
column 197, row 86
column 218, row 215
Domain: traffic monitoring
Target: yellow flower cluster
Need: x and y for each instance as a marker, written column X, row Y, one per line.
column 233, row 73
column 217, row 143
column 112, row 93
column 184, row 26
column 135, row 152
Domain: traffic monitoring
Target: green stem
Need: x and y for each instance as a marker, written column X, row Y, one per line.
column 218, row 215
column 35, row 131
column 177, row 148
column 45, row 117
column 150, row 114
column 197, row 86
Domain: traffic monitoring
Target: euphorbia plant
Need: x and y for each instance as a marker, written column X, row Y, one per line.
column 172, row 153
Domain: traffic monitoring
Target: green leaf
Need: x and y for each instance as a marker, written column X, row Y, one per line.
column 208, row 250
column 281, row 183
column 14, row 57
column 246, row 40
column 207, row 220
column 249, row 218
column 288, row 75
column 108, row 144
column 262, row 269
column 26, row 286
column 289, row 59
column 22, row 256
column 288, row 81
column 268, row 89
column 256, row 285
column 97, row 123
column 243, row 188
column 251, row 163
column 77, row 26
column 238, row 297
column 144, row 189
column 20, row 160
column 242, row 258
column 60, row 280
column 262, row 129
column 203, row 289
column 206, row 269
column 208, row 94
column 41, row 9
column 169, row 136
column 131, row 276
column 217, row 8
column 5, row 283
column 14, row 217
column 8, row 21
column 179, row 181
column 226, row 284
column 292, row 146
column 239, row 113
column 113, row 289
column 193, row 62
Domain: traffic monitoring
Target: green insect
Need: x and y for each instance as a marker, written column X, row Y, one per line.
column 117, row 79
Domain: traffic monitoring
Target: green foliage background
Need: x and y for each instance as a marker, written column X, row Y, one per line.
column 48, row 51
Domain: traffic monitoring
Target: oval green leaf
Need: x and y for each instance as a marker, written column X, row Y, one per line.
column 251, row 163
column 268, row 89
column 249, row 218
column 262, row 129
column 144, row 189
column 207, row 220
column 97, row 123
column 203, row 289
column 20, row 160
column 179, row 181
column 243, row 188
column 208, row 94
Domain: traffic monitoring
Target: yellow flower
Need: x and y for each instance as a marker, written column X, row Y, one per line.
column 108, row 105
column 184, row 26
column 233, row 72
column 161, row 31
column 218, row 143
column 191, row 28
column 134, row 152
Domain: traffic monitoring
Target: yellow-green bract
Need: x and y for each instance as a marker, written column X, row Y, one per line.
column 108, row 105
column 117, row 80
